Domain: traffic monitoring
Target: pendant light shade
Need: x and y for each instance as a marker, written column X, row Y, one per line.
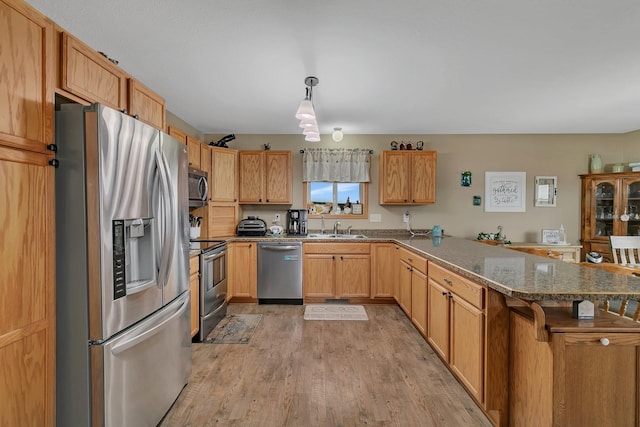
column 305, row 110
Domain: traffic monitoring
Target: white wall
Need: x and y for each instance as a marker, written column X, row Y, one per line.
column 564, row 156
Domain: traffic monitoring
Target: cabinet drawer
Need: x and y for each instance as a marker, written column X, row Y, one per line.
column 464, row 288
column 336, row 248
column 414, row 260
column 194, row 264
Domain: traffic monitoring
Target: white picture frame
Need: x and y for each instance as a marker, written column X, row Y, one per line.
column 505, row 191
column 550, row 237
column 545, row 191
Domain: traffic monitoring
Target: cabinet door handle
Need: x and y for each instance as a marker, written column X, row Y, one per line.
column 604, row 341
column 267, row 200
column 450, row 295
column 341, row 257
column 444, row 294
column 448, row 282
column 409, row 268
column 410, row 259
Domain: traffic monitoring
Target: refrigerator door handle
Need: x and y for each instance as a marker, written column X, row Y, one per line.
column 168, row 226
column 151, row 331
column 139, row 286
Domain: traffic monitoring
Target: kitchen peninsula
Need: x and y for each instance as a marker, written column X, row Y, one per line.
column 501, row 321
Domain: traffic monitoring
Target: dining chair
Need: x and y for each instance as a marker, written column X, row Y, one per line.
column 624, row 308
column 625, row 250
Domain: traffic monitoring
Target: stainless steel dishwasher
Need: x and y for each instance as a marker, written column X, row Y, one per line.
column 280, row 272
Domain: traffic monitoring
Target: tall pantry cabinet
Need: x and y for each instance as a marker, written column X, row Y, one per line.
column 27, row 245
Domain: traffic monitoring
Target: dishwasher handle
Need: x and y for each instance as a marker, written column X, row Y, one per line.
column 280, row 248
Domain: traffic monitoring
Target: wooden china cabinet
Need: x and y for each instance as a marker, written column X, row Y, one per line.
column 610, row 207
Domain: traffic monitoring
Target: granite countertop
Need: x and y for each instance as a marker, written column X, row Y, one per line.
column 509, row 272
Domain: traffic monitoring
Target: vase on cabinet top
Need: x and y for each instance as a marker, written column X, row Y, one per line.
column 595, row 164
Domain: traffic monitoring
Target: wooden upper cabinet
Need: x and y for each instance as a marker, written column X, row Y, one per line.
column 223, row 183
column 265, row 177
column 407, row 177
column 177, row 134
column 194, row 153
column 91, row 76
column 145, row 104
column 278, row 177
column 26, row 77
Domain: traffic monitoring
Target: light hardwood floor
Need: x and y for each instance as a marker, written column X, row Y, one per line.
column 301, row 373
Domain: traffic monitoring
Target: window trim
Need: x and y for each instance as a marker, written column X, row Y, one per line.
column 364, row 201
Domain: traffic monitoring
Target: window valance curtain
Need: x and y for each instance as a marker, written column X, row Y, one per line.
column 336, row 164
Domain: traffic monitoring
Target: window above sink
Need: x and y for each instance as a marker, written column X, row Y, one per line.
column 320, row 197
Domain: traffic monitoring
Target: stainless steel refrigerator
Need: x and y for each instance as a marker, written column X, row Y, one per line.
column 122, row 275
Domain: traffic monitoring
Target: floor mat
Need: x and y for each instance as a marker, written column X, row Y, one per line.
column 234, row 329
column 334, row 312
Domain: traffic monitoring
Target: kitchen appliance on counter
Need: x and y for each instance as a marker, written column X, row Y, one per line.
column 213, row 283
column 252, row 226
column 297, row 222
column 198, row 188
column 122, row 269
column 280, row 273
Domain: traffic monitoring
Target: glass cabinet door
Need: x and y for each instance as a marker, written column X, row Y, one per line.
column 630, row 217
column 604, row 209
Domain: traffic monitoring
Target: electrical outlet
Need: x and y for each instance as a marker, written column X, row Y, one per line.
column 276, row 218
column 406, row 217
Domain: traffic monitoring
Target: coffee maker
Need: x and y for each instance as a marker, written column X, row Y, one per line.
column 297, row 222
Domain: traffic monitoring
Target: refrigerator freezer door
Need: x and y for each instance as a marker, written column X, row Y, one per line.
column 146, row 367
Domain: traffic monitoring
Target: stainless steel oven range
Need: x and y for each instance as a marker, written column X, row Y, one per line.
column 213, row 283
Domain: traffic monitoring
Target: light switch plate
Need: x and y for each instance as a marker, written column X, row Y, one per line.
column 375, row 217
column 276, row 218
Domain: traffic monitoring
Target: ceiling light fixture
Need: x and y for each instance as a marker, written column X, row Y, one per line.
column 337, row 134
column 307, row 114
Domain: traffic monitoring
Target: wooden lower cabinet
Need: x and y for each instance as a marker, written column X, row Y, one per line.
column 341, row 270
column 456, row 326
column 574, row 379
column 194, row 287
column 383, row 270
column 27, row 279
column 419, row 301
column 243, row 271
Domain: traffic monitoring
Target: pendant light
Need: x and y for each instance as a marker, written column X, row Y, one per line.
column 307, row 114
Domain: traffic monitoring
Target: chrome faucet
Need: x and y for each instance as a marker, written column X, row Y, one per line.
column 322, row 226
column 349, row 230
column 335, row 227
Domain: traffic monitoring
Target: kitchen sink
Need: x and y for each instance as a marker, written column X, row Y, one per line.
column 336, row 236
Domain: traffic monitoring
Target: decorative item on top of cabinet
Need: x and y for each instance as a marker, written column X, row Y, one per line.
column 606, row 198
column 407, row 177
column 265, row 177
column 26, row 79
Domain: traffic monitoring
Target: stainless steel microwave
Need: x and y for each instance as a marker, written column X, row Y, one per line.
column 198, row 188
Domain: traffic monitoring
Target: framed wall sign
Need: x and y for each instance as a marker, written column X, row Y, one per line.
column 545, row 191
column 505, row 191
column 550, row 237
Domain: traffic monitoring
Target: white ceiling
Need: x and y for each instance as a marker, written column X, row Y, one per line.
column 385, row 67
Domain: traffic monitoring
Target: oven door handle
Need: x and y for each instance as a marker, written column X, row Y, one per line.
column 207, row 257
column 279, row 248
